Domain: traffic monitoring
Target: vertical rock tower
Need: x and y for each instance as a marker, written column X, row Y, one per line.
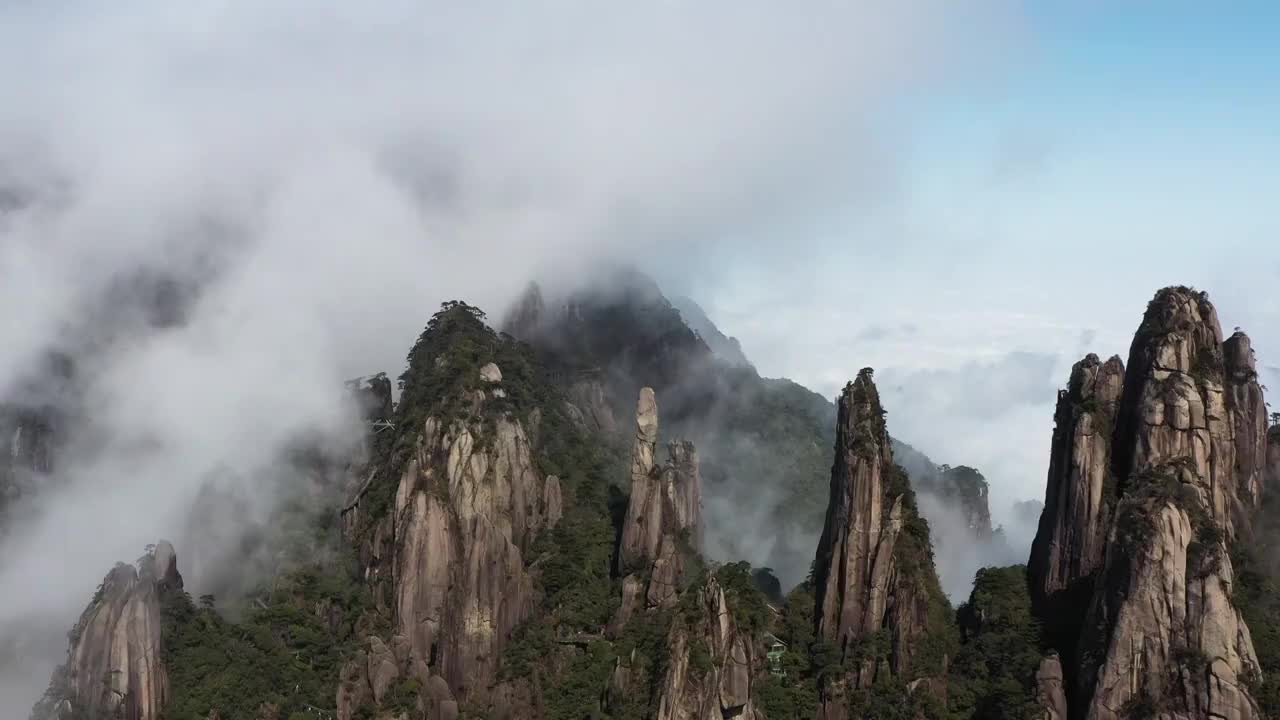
column 1071, row 542
column 663, row 525
column 877, row 593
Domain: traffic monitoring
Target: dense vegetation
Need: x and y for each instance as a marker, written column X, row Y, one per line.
column 993, row 674
column 790, row 691
column 277, row 650
column 283, row 657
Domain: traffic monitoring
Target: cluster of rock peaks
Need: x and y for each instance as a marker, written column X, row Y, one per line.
column 1156, row 467
column 657, row 549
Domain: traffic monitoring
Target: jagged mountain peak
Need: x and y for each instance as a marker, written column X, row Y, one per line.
column 1152, row 477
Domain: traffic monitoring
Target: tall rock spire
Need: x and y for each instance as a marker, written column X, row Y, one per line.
column 855, row 554
column 1248, row 412
column 642, row 530
column 663, row 525
column 1079, row 497
column 877, row 594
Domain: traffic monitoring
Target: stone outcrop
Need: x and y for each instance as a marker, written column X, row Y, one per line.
column 115, row 665
column 664, row 516
column 710, row 664
column 1247, row 411
column 447, row 559
column 1185, row 473
column 1050, row 690
column 1070, row 544
column 862, row 589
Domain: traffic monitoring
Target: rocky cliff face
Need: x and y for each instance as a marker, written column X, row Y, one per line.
column 875, row 585
column 662, row 527
column 447, row 519
column 447, row 560
column 1079, row 497
column 711, row 662
column 115, row 666
column 1184, row 399
column 1161, row 635
column 1247, row 411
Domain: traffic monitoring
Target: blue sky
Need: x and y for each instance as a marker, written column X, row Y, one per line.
column 1102, row 151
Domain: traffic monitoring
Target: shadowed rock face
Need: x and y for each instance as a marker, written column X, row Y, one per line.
column 1071, row 542
column 447, row 561
column 855, row 556
column 1187, row 458
column 720, row 689
column 115, row 665
column 860, row 588
column 1273, row 457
